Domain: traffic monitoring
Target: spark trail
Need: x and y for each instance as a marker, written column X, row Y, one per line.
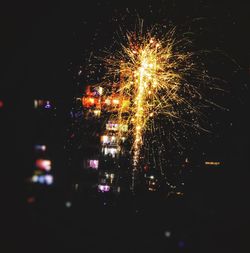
column 161, row 78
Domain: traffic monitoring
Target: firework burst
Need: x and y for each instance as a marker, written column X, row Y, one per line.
column 160, row 78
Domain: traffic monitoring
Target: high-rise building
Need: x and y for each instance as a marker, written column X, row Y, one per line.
column 105, row 141
column 43, row 115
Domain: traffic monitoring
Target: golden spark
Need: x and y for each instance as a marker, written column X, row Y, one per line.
column 155, row 75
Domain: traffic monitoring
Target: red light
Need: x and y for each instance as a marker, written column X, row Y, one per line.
column 43, row 164
column 88, row 92
column 31, row 200
column 1, row 103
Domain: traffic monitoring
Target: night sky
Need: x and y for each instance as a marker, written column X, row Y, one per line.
column 44, row 45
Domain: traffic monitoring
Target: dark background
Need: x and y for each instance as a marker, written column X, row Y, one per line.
column 43, row 45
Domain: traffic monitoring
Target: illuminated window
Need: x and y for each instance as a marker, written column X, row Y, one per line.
column 112, row 126
column 90, row 101
column 151, row 189
column 110, row 151
column 48, row 179
column 212, row 163
column 93, row 164
column 115, row 101
column 115, row 127
column 43, row 164
column 97, row 113
column 43, row 179
column 107, row 101
column 110, row 176
column 47, row 105
column 34, row 179
column 103, row 188
column 105, row 139
column 39, row 103
column 40, row 147
column 36, row 103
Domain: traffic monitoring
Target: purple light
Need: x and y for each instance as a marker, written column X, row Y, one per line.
column 103, row 188
column 47, row 106
column 93, row 164
column 48, row 179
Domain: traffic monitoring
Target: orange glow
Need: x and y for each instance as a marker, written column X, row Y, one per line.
column 88, row 92
column 90, row 101
column 212, row 163
column 104, row 138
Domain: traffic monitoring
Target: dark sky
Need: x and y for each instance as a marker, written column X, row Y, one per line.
column 40, row 40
